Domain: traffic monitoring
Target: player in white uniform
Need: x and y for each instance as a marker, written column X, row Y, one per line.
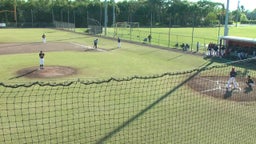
column 118, row 42
column 232, row 79
column 41, row 59
column 44, row 38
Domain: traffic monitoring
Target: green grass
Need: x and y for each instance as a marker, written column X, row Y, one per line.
column 160, row 36
column 130, row 60
column 86, row 113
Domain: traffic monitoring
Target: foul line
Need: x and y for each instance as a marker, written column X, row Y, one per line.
column 218, row 88
column 208, row 79
column 87, row 47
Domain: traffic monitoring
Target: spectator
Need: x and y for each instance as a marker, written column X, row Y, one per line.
column 197, row 46
column 145, row 40
column 187, row 47
column 210, row 49
column 215, row 47
column 182, row 46
column 222, row 51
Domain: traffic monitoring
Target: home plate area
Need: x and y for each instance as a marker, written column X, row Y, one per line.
column 215, row 86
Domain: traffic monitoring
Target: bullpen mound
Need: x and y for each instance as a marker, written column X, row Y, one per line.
column 47, row 72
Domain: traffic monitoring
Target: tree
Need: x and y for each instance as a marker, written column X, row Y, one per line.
column 211, row 18
column 182, row 12
column 243, row 17
column 155, row 9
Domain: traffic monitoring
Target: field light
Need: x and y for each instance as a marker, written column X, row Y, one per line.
column 15, row 10
column 106, row 17
column 226, row 20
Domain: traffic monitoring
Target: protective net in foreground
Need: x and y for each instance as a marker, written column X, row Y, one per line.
column 187, row 107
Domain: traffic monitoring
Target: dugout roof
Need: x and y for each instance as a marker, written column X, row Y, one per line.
column 239, row 39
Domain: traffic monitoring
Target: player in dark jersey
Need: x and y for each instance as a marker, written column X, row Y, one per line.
column 232, row 79
column 95, row 43
column 41, row 59
column 118, row 42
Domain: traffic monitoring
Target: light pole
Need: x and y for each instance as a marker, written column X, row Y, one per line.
column 68, row 9
column 32, row 18
column 15, row 12
column 169, row 35
column 114, row 13
column 237, row 12
column 52, row 12
column 106, row 17
column 226, row 20
column 150, row 22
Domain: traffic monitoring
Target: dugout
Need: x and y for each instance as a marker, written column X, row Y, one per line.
column 238, row 47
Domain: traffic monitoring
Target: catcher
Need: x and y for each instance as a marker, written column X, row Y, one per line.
column 249, row 82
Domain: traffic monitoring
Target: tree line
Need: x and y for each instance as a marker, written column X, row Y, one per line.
column 149, row 13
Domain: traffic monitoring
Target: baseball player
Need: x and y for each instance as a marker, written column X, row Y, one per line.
column 232, row 79
column 44, row 38
column 41, row 60
column 95, row 43
column 118, row 42
column 250, row 82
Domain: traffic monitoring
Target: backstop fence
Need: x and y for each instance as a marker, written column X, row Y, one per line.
column 184, row 107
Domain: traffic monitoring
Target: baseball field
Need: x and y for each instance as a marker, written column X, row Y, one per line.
column 133, row 94
column 20, row 48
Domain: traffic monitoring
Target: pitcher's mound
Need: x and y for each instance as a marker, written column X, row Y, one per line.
column 47, row 72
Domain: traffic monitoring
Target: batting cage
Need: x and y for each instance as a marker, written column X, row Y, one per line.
column 64, row 25
column 193, row 106
column 94, row 26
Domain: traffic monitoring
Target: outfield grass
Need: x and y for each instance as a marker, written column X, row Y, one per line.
column 87, row 113
column 169, row 37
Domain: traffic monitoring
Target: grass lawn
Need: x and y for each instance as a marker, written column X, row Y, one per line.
column 169, row 37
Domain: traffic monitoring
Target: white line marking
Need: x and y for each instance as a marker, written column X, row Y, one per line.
column 210, row 90
column 87, row 47
column 83, row 46
column 208, row 79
